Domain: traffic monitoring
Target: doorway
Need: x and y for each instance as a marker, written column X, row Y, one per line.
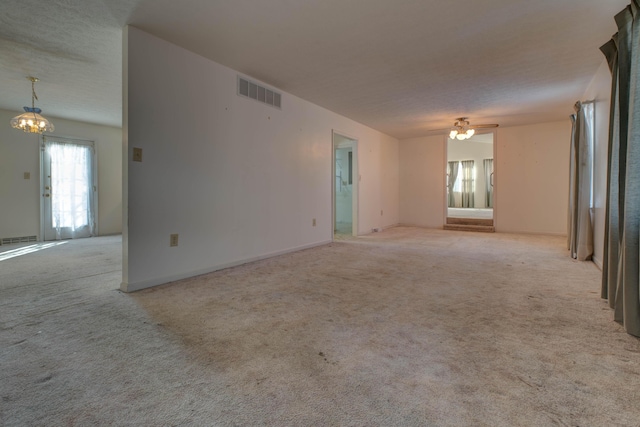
column 345, row 185
column 69, row 188
column 470, row 182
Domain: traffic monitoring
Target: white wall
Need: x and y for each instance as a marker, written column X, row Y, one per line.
column 19, row 153
column 477, row 151
column 422, row 181
column 532, row 178
column 236, row 179
column 600, row 91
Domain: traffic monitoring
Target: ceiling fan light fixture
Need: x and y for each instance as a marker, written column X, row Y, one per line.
column 462, row 129
column 31, row 121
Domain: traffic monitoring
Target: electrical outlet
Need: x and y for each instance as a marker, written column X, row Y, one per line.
column 137, row 154
column 27, row 175
column 173, row 240
column 381, row 213
column 313, row 222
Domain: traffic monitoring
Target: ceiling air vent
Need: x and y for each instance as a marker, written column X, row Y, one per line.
column 253, row 90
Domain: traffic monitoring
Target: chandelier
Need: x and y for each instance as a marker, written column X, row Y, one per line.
column 31, row 121
column 461, row 129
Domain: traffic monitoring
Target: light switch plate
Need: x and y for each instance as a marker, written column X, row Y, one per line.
column 173, row 240
column 137, row 154
column 27, row 175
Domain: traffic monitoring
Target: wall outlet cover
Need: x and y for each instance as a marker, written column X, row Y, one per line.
column 173, row 240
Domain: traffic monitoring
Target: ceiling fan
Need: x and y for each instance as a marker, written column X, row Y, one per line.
column 463, row 130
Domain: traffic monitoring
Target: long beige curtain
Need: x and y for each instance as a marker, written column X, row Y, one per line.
column 580, row 222
column 620, row 273
column 468, row 184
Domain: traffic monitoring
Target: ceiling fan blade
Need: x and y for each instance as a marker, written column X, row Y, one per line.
column 485, row 126
column 439, row 130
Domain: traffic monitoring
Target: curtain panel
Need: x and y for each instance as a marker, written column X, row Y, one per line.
column 72, row 195
column 468, row 187
column 452, row 173
column 580, row 222
column 488, row 179
column 620, row 273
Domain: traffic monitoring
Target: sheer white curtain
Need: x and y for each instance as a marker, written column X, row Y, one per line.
column 468, row 184
column 71, row 188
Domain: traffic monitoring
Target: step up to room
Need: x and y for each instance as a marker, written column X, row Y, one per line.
column 469, row 227
column 470, row 221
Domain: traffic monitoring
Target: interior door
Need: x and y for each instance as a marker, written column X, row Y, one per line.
column 69, row 188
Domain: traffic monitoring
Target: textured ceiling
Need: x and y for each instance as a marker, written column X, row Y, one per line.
column 400, row 66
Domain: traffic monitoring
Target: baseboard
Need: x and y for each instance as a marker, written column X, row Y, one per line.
column 137, row 286
column 428, row 227
column 378, row 229
column 532, row 233
column 597, row 262
column 440, row 227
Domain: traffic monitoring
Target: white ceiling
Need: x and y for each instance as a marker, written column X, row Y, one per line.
column 400, row 66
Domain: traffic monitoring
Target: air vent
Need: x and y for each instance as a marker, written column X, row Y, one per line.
column 23, row 239
column 253, row 90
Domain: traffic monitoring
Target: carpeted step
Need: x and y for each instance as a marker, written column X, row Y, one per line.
column 470, row 221
column 467, row 227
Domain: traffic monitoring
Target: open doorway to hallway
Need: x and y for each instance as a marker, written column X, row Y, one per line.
column 345, row 185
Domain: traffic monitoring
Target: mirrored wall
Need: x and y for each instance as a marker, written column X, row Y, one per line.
column 470, row 177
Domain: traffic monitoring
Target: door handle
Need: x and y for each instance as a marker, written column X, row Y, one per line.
column 46, row 195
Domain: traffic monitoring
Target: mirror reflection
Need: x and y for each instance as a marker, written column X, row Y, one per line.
column 470, row 177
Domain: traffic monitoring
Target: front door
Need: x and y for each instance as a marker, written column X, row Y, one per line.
column 68, row 181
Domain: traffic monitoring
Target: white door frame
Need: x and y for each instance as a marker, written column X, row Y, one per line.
column 356, row 181
column 43, row 178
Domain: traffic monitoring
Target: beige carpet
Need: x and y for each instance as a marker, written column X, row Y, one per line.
column 407, row 327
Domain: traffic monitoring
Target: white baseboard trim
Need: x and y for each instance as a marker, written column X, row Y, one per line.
column 428, row 227
column 533, row 233
column 597, row 262
column 137, row 286
column 378, row 229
